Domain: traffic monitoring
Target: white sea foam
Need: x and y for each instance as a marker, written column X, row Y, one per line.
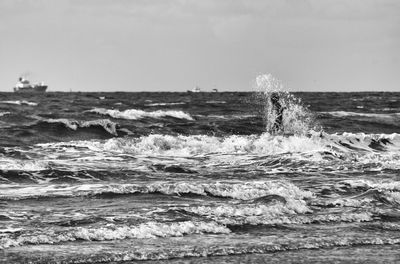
column 198, row 145
column 268, row 211
column 226, row 117
column 386, row 185
column 393, row 197
column 386, row 189
column 166, row 104
column 4, row 113
column 213, row 246
column 115, row 232
column 389, row 109
column 265, row 144
column 343, row 202
column 7, row 164
column 237, row 190
column 364, row 144
column 281, row 218
column 151, row 230
column 20, row 102
column 347, row 150
column 109, row 126
column 135, row 114
column 372, row 115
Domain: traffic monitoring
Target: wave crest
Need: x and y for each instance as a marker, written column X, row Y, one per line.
column 106, row 124
column 20, row 102
column 197, row 145
column 135, row 114
column 165, row 104
column 113, row 232
column 241, row 191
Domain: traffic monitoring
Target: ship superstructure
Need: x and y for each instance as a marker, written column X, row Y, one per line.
column 24, row 86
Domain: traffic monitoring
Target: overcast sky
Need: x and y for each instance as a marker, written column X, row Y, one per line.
column 173, row 45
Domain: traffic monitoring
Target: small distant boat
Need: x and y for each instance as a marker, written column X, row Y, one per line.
column 194, row 90
column 24, row 86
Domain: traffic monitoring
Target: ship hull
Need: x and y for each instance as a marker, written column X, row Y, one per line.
column 31, row 89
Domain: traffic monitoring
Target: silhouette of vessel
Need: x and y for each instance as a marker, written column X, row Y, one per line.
column 24, row 86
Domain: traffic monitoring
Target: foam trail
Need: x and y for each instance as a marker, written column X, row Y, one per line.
column 165, row 104
column 135, row 114
column 346, row 114
column 19, row 102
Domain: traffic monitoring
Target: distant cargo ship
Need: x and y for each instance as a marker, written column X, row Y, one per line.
column 24, row 86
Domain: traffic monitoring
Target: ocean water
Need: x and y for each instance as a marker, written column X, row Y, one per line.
column 197, row 178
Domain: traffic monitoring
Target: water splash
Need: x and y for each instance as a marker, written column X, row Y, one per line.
column 297, row 119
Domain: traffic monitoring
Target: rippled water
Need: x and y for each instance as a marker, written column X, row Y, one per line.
column 178, row 177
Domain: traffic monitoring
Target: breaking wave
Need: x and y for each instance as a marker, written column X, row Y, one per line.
column 276, row 214
column 114, row 232
column 271, row 154
column 107, row 125
column 22, row 165
column 241, row 191
column 266, row 144
column 20, row 102
column 380, row 185
column 198, row 145
column 355, row 114
column 188, row 248
column 165, row 104
column 135, row 114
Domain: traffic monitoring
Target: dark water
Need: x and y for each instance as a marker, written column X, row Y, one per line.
column 195, row 178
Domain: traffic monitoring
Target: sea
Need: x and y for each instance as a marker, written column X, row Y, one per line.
column 168, row 177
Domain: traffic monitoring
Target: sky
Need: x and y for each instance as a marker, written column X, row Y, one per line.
column 174, row 45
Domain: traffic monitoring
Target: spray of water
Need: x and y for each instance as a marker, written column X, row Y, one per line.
column 296, row 118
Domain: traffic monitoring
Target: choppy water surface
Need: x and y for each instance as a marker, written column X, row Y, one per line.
column 177, row 177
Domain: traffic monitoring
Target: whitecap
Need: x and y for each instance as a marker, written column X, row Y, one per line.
column 135, row 114
column 8, row 164
column 236, row 190
column 109, row 126
column 116, row 232
column 20, row 102
column 166, row 104
column 356, row 114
